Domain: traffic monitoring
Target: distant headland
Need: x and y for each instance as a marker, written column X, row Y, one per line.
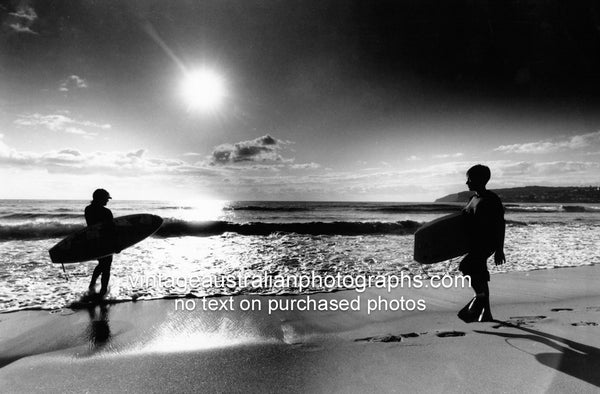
column 544, row 194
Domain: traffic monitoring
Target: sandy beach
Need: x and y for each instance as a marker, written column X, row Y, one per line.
column 545, row 339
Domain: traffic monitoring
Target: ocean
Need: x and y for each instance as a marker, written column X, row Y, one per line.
column 207, row 240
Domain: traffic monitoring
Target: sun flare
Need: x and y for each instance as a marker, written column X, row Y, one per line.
column 203, row 90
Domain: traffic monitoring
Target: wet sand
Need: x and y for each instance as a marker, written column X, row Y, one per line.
column 546, row 339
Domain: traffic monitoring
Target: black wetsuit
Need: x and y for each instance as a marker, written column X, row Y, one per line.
column 96, row 213
column 485, row 215
column 485, row 220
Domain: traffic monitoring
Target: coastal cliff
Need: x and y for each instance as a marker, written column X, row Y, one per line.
column 547, row 194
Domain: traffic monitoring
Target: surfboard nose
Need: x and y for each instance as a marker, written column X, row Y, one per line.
column 153, row 221
column 157, row 220
column 150, row 220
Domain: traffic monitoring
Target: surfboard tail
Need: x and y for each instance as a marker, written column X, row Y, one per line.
column 54, row 256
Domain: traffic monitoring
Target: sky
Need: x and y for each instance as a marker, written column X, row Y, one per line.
column 305, row 100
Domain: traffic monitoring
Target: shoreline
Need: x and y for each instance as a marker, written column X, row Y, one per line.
column 547, row 331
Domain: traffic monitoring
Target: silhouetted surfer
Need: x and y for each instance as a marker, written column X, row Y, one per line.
column 486, row 225
column 97, row 212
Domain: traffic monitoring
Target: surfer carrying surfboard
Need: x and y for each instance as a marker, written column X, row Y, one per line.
column 485, row 229
column 95, row 213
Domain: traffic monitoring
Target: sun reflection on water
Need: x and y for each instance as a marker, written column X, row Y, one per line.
column 201, row 210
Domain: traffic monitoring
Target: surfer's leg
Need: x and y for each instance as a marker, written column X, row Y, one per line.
column 105, row 263
column 479, row 283
column 482, row 293
column 474, row 265
column 95, row 275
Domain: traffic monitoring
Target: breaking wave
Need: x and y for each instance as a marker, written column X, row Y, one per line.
column 175, row 228
column 179, row 228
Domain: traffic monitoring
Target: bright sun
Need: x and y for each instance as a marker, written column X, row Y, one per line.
column 203, row 90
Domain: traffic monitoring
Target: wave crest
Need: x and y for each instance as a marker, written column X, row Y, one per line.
column 174, row 228
column 37, row 230
column 180, row 228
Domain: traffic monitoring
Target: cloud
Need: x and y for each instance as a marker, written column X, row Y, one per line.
column 388, row 184
column 413, row 158
column 123, row 164
column 26, row 13
column 448, row 156
column 22, row 19
column 70, row 152
column 265, row 149
column 554, row 145
column 259, row 180
column 428, row 182
column 137, row 154
column 305, row 166
column 4, row 149
column 548, row 170
column 138, row 162
column 61, row 123
column 19, row 28
column 72, row 82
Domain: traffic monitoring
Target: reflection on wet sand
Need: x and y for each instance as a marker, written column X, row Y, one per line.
column 99, row 328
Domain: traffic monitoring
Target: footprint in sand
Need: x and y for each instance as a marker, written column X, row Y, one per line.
column 388, row 338
column 560, row 309
column 446, row 334
column 409, row 335
column 520, row 321
column 585, row 323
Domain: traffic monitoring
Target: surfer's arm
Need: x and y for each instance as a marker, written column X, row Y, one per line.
column 109, row 220
column 88, row 216
column 499, row 257
column 490, row 223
